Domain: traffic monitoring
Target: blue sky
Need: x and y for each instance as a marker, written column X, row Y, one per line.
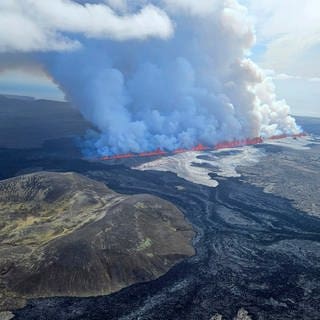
column 288, row 46
column 29, row 84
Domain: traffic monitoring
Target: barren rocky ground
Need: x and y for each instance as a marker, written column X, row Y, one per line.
column 257, row 253
column 290, row 174
column 63, row 234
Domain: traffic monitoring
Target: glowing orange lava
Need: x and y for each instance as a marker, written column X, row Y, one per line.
column 200, row 147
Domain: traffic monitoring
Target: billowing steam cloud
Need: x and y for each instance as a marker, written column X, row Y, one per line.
column 162, row 73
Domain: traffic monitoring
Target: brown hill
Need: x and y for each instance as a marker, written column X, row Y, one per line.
column 62, row 234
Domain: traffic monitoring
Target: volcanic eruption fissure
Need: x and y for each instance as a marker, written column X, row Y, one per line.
column 161, row 74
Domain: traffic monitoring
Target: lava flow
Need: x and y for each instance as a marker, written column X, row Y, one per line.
column 200, row 147
column 238, row 143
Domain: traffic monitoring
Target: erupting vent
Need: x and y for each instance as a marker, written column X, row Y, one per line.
column 200, row 147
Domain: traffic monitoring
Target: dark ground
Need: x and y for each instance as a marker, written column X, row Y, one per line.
column 254, row 250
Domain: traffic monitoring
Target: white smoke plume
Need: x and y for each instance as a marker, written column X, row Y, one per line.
column 157, row 74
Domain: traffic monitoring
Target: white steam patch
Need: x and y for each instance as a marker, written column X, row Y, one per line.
column 151, row 74
column 191, row 167
column 182, row 166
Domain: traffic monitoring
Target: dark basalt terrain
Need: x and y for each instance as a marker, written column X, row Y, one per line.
column 28, row 123
column 254, row 250
column 293, row 176
column 63, row 234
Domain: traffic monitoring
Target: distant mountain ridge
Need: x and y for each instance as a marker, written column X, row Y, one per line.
column 17, row 97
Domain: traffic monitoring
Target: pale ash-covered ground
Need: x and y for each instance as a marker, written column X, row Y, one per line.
column 197, row 166
column 289, row 168
column 292, row 174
